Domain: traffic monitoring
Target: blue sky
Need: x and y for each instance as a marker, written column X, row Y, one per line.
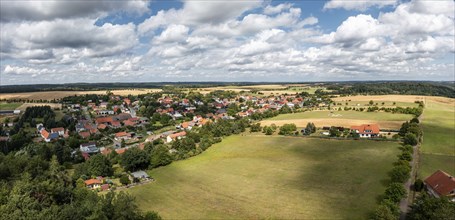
column 149, row 41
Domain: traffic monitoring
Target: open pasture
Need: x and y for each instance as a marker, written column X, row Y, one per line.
column 50, row 95
column 272, row 177
column 438, row 147
column 340, row 118
column 9, row 106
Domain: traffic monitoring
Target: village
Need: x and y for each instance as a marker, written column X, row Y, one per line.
column 112, row 125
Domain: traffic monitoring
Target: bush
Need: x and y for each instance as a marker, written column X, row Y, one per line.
column 124, row 180
column 287, row 129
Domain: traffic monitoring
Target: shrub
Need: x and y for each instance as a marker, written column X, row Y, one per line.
column 124, row 180
column 405, row 156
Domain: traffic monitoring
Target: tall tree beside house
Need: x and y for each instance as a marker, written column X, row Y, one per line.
column 99, row 165
column 310, row 128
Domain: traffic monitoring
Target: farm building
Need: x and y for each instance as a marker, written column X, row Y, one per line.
column 441, row 184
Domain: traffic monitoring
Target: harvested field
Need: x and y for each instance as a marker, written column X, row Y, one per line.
column 340, row 118
column 60, row 94
column 321, row 122
column 381, row 98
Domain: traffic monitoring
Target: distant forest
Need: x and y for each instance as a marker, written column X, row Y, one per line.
column 446, row 89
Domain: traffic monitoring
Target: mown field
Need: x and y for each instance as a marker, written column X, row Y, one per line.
column 9, row 106
column 340, row 118
column 438, row 148
column 438, row 123
column 268, row 177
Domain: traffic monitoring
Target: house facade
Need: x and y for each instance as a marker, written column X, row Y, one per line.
column 366, row 130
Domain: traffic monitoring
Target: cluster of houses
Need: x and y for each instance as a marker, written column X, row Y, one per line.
column 53, row 134
column 102, row 184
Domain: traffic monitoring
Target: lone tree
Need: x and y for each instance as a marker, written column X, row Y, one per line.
column 310, row 128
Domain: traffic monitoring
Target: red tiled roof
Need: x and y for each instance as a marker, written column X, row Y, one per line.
column 173, row 136
column 120, row 150
column 84, row 134
column 106, row 151
column 122, row 133
column 105, row 187
column 185, row 124
column 116, row 124
column 44, row 133
column 92, row 181
column 57, row 129
column 372, row 129
column 441, row 182
column 93, row 131
column 103, row 120
column 129, row 123
column 102, row 126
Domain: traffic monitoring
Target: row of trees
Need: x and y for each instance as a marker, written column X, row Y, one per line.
column 388, row 207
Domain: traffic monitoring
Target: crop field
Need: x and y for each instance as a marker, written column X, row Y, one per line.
column 438, row 148
column 268, row 177
column 60, row 94
column 9, row 106
column 340, row 118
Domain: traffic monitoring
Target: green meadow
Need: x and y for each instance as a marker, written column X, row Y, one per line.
column 268, row 177
column 438, row 147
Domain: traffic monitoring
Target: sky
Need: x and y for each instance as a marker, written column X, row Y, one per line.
column 203, row 40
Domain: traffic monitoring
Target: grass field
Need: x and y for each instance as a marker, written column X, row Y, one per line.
column 340, row 118
column 438, row 148
column 9, row 106
column 263, row 177
column 60, row 94
column 52, row 105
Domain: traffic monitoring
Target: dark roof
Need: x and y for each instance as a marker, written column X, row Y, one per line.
column 441, row 182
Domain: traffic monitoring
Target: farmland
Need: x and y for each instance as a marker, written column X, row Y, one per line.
column 438, row 148
column 340, row 118
column 438, row 123
column 60, row 94
column 272, row 177
column 9, row 106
